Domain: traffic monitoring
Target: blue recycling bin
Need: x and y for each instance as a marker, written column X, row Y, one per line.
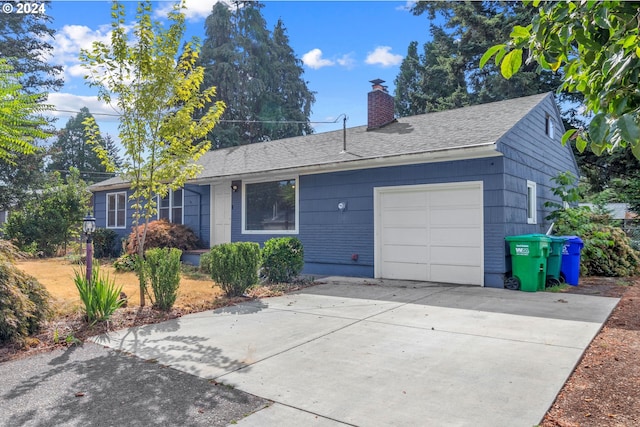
column 570, row 266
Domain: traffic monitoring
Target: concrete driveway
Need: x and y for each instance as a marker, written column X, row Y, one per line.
column 382, row 353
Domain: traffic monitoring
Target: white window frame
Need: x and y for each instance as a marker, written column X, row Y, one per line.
column 549, row 126
column 117, row 208
column 171, row 207
column 297, row 207
column 532, row 203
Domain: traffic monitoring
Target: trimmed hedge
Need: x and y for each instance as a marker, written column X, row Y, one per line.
column 234, row 266
column 282, row 259
column 163, row 273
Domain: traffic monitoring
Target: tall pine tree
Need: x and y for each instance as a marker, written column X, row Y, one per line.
column 449, row 72
column 72, row 150
column 257, row 76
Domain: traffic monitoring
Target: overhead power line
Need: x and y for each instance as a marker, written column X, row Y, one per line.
column 221, row 120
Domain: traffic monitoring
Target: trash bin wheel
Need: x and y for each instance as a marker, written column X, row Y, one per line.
column 552, row 281
column 512, row 283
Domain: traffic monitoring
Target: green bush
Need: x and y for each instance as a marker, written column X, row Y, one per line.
column 163, row 273
column 205, row 263
column 234, row 266
column 126, row 262
column 101, row 297
column 24, row 302
column 104, row 242
column 607, row 249
column 282, row 259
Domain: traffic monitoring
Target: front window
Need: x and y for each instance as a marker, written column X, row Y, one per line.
column 271, row 206
column 116, row 210
column 531, row 203
column 170, row 207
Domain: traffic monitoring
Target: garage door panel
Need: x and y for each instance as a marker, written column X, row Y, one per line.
column 460, row 256
column 459, row 196
column 430, row 233
column 455, row 236
column 407, row 218
column 402, row 200
column 406, row 254
column 455, row 216
column 467, row 275
column 405, row 271
column 399, row 236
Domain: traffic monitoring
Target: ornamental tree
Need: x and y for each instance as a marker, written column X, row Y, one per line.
column 595, row 45
column 19, row 120
column 155, row 86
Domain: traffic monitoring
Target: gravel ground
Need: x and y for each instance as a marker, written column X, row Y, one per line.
column 92, row 385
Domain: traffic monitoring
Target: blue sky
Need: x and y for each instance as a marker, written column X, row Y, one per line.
column 343, row 45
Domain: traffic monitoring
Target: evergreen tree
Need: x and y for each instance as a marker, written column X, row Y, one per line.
column 23, row 43
column 72, row 149
column 449, row 72
column 257, row 76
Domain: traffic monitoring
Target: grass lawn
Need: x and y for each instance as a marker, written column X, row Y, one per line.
column 56, row 274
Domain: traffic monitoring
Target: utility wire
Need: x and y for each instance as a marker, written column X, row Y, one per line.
column 221, row 120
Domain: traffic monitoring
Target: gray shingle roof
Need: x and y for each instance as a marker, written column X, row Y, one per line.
column 457, row 129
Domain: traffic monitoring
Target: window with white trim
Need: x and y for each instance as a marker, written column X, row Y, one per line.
column 117, row 210
column 270, row 207
column 548, row 126
column 170, row 207
column 531, row 203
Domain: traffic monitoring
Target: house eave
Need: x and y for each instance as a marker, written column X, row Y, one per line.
column 472, row 151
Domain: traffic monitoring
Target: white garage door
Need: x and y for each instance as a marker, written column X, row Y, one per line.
column 430, row 232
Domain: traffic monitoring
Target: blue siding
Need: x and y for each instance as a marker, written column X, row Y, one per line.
column 331, row 237
column 196, row 211
column 529, row 154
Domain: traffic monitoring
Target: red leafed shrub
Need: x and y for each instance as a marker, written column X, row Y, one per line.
column 163, row 234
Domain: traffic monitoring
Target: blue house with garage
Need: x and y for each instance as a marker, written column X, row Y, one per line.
column 429, row 197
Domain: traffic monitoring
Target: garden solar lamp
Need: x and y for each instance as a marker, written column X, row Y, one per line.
column 88, row 227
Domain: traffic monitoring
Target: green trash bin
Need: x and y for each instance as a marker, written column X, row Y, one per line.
column 554, row 261
column 529, row 254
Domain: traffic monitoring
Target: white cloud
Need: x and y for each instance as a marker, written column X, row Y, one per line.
column 314, row 59
column 382, row 56
column 195, row 11
column 68, row 105
column 347, row 61
column 408, row 5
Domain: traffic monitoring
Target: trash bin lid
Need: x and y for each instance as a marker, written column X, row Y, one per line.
column 529, row 238
column 558, row 239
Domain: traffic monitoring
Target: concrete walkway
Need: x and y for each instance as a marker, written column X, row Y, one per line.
column 381, row 353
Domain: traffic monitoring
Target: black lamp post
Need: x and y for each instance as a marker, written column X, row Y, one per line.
column 88, row 227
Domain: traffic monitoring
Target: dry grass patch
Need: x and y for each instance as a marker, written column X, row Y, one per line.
column 56, row 274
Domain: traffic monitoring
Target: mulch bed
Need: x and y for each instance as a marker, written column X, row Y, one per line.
column 604, row 389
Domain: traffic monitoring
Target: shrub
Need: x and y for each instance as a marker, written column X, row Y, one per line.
column 234, row 266
column 126, row 262
column 24, row 302
column 205, row 263
column 104, row 242
column 163, row 273
column 607, row 249
column 101, row 297
column 282, row 259
column 163, row 234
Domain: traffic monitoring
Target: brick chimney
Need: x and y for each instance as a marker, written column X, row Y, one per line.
column 380, row 106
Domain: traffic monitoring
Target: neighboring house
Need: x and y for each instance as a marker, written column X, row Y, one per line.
column 428, row 197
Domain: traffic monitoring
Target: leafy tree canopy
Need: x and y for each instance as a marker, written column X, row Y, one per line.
column 155, row 85
column 19, row 123
column 595, row 45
